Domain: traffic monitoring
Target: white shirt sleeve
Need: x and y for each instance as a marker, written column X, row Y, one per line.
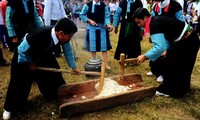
column 47, row 12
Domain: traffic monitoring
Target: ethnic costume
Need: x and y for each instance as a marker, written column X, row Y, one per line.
column 182, row 45
column 21, row 18
column 35, row 48
column 129, row 36
column 167, row 8
column 96, row 38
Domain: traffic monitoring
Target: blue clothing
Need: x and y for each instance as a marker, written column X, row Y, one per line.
column 178, row 15
column 171, row 9
column 11, row 16
column 25, row 6
column 175, row 11
column 77, row 8
column 24, row 47
column 129, row 36
column 85, row 18
column 116, row 17
column 188, row 18
column 96, row 38
column 163, row 38
column 179, row 61
column 118, row 13
column 35, row 48
column 160, row 44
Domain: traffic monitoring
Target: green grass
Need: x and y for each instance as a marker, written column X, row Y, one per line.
column 152, row 108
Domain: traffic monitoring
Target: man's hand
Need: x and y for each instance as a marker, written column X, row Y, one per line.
column 76, row 71
column 91, row 22
column 164, row 53
column 141, row 58
column 15, row 40
column 32, row 66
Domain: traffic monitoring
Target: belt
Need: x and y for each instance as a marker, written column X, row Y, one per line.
column 187, row 33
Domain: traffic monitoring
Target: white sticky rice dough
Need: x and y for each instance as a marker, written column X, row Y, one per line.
column 110, row 87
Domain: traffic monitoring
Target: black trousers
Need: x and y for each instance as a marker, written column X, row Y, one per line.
column 11, row 45
column 178, row 66
column 22, row 78
column 157, row 66
column 1, row 57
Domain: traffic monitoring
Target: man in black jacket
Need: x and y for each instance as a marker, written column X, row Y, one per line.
column 21, row 18
column 36, row 50
column 181, row 44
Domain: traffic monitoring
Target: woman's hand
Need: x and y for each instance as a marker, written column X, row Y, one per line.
column 91, row 22
column 110, row 28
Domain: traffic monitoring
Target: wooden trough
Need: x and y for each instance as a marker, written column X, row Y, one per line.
column 79, row 97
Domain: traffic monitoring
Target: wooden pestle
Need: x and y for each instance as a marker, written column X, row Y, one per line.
column 101, row 82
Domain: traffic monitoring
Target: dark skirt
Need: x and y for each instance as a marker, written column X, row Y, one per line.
column 96, row 39
column 128, row 41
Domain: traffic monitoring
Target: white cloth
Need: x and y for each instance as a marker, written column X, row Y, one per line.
column 198, row 9
column 113, row 6
column 53, row 10
column 95, row 3
column 164, row 3
column 181, row 2
column 196, row 6
column 144, row 3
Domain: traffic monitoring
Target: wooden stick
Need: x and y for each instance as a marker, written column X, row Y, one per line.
column 101, row 82
column 134, row 60
column 65, row 71
column 122, row 61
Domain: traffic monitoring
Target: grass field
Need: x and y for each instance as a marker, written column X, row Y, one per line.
column 152, row 108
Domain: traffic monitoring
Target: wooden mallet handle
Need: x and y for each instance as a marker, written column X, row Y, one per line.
column 66, row 71
column 101, row 82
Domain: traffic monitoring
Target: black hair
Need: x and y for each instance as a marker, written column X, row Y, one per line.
column 140, row 13
column 66, row 25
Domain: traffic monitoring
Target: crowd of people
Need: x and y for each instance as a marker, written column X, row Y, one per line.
column 40, row 30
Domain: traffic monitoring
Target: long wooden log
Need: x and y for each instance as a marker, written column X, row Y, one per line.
column 66, row 71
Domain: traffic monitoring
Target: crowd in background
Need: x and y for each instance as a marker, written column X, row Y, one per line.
column 191, row 10
column 98, row 17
